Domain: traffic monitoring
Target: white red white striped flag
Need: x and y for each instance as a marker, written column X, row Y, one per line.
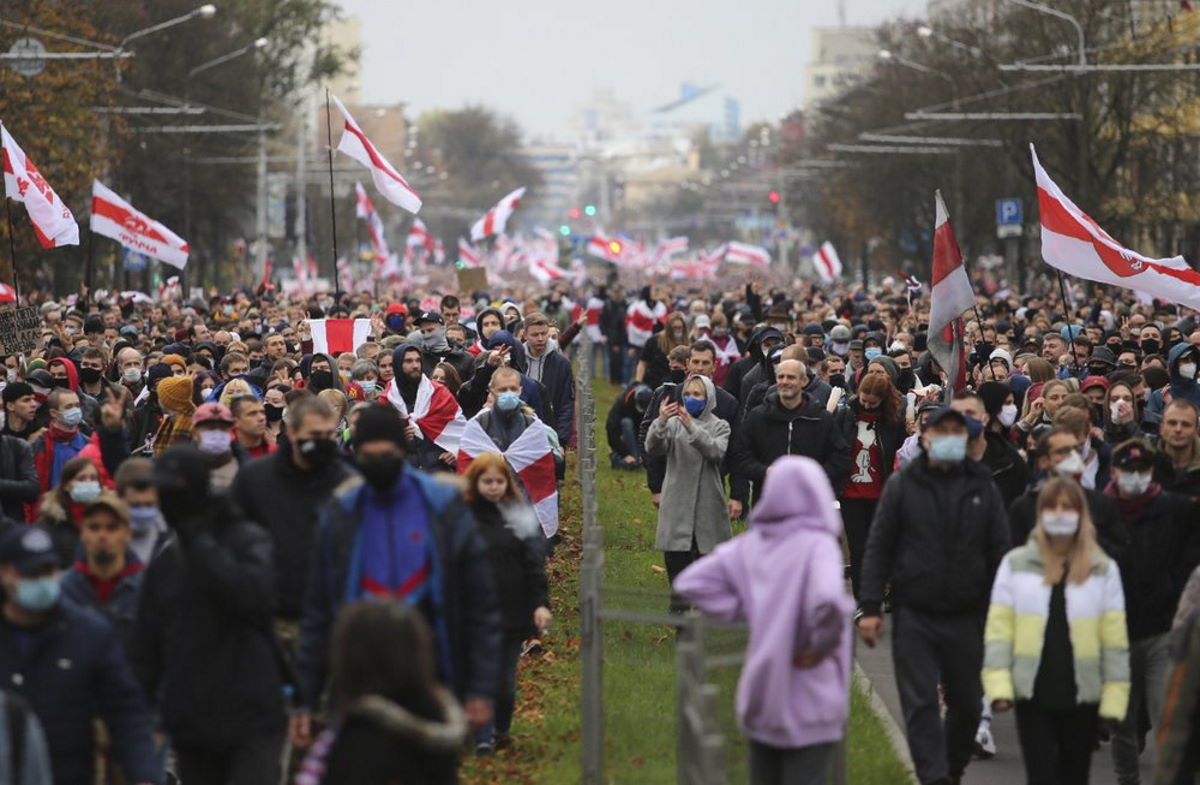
column 595, row 308
column 950, row 296
column 495, row 219
column 53, row 222
column 355, row 144
column 1074, row 243
column 436, row 413
column 827, row 263
column 668, row 248
column 545, row 270
column 602, row 247
column 468, row 255
column 744, row 253
column 113, row 217
column 640, row 320
column 334, row 336
column 364, row 208
column 531, row 460
column 9, row 294
column 419, row 236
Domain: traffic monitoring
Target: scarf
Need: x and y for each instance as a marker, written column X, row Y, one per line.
column 393, row 555
column 1131, row 509
column 60, row 446
column 175, row 429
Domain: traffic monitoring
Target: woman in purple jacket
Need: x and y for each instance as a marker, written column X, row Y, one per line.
column 784, row 577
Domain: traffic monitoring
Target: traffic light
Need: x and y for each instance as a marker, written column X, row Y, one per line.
column 773, row 197
column 590, row 210
column 564, row 230
column 615, row 246
column 573, row 213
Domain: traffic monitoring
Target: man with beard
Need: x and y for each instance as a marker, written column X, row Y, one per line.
column 423, row 453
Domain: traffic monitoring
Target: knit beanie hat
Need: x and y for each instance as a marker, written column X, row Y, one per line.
column 173, row 359
column 175, row 394
column 993, row 395
column 379, row 423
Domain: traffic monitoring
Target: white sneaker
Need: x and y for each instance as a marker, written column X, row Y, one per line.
column 985, row 745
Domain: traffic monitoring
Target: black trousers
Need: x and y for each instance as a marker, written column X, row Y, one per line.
column 676, row 562
column 856, row 520
column 254, row 762
column 1056, row 746
column 928, row 650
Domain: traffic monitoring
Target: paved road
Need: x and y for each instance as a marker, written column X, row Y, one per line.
column 1006, row 767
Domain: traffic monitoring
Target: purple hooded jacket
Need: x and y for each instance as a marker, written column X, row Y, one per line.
column 785, row 578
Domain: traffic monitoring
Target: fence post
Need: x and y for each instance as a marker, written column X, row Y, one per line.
column 590, row 574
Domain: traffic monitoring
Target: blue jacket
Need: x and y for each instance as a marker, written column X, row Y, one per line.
column 1179, row 387
column 467, row 627
column 71, row 669
column 122, row 606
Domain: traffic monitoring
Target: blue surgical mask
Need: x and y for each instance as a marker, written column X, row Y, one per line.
column 72, row 417
column 367, row 385
column 38, row 595
column 143, row 518
column 508, row 401
column 694, row 406
column 948, row 448
column 872, row 352
column 85, row 491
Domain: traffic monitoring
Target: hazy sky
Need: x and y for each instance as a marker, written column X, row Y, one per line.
column 536, row 59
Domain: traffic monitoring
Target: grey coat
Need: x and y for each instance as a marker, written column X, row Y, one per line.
column 693, row 495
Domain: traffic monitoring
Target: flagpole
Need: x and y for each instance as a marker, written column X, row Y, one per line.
column 1062, row 284
column 89, row 270
column 12, row 248
column 337, row 276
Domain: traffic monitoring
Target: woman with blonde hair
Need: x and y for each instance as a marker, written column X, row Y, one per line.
column 1056, row 642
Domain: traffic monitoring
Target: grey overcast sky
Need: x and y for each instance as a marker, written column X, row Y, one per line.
column 535, row 60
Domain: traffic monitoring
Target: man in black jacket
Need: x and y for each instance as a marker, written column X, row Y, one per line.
column 788, row 422
column 938, row 536
column 990, row 448
column 18, row 478
column 283, row 492
column 203, row 644
column 546, row 365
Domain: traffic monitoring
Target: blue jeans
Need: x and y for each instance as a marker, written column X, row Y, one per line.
column 629, row 440
column 630, row 365
column 506, row 697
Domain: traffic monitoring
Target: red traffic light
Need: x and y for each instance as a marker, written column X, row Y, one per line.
column 574, row 213
column 773, row 197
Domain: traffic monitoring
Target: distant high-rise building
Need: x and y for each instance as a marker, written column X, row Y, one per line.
column 706, row 108
column 548, row 204
column 841, row 55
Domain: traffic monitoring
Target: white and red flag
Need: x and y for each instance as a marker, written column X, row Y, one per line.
column 827, row 263
column 115, row 218
column 744, row 253
column 531, row 459
column 668, row 248
column 355, row 144
column 334, row 336
column 1074, row 243
column 419, row 236
column 603, row 248
column 950, row 296
column 495, row 219
column 640, row 320
column 8, row 294
column 594, row 309
column 53, row 222
column 545, row 270
column 468, row 255
column 435, row 412
column 364, row 208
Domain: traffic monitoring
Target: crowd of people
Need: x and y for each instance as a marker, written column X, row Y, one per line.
column 214, row 535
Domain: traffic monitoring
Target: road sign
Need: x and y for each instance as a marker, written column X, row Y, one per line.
column 1010, row 218
column 32, row 53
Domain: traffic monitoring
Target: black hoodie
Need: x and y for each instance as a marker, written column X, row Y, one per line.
column 754, row 358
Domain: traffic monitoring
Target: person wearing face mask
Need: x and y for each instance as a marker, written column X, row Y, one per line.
column 148, row 414
column 283, row 492
column 61, row 510
column 757, row 366
column 203, row 645
column 990, row 448
column 503, row 351
column 92, row 384
column 652, row 365
column 692, row 516
column 67, row 662
column 1164, row 549
column 60, row 442
column 430, row 336
column 1057, row 648
column 1182, row 362
column 938, row 536
column 1120, row 413
column 211, row 432
column 365, row 374
column 395, row 319
column 135, row 487
column 872, row 422
column 399, row 534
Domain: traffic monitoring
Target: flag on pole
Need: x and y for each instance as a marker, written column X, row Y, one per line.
column 495, row 219
column 950, row 296
column 668, row 248
column 1074, row 243
column 827, row 263
column 468, row 255
column 115, row 218
column 355, row 144
column 419, row 236
column 53, row 222
column 531, row 460
column 7, row 294
column 334, row 336
column 364, row 208
column 744, row 253
column 545, row 270
column 435, row 412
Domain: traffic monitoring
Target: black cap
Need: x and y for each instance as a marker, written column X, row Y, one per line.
column 1133, row 453
column 15, row 391
column 944, row 414
column 28, row 549
column 430, row 316
column 379, row 423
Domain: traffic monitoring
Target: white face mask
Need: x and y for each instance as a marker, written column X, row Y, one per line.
column 1060, row 524
column 1113, row 409
column 1008, row 415
column 1187, row 370
column 1071, row 466
column 1133, row 483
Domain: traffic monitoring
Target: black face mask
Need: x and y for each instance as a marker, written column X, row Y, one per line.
column 318, row 452
column 552, row 306
column 1150, row 346
column 382, row 472
column 1098, row 370
column 907, row 380
column 678, row 377
column 1126, row 367
column 837, row 380
column 89, row 375
column 104, row 558
column 62, row 384
column 274, row 413
column 320, row 380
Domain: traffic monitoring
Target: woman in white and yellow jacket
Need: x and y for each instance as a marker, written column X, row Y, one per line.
column 1056, row 643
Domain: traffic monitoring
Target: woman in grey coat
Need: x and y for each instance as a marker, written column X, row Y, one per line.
column 692, row 517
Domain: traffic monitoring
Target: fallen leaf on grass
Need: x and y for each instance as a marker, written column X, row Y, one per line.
column 658, row 568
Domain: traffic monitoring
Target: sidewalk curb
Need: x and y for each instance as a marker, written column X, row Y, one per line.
column 894, row 731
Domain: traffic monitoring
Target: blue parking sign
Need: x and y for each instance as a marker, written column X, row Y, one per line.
column 1009, row 217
